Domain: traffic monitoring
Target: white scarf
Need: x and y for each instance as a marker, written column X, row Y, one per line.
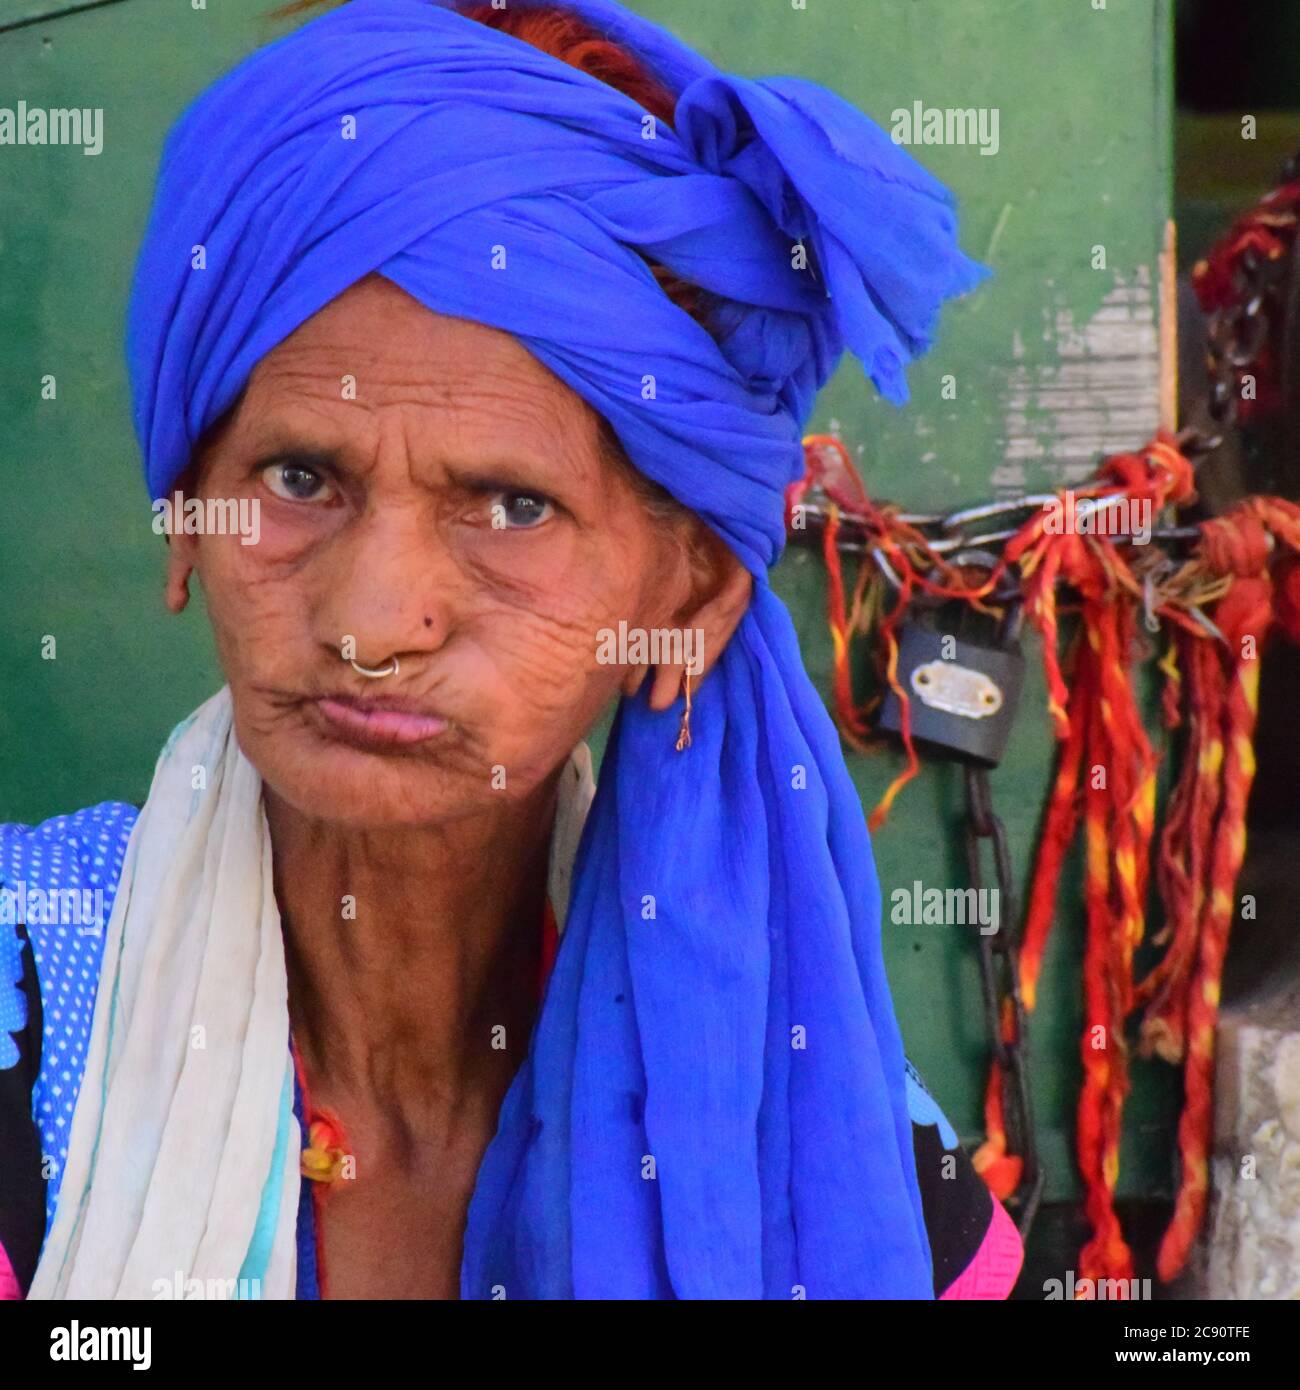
column 183, row 1154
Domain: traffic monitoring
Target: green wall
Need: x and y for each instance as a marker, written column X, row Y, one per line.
column 1054, row 360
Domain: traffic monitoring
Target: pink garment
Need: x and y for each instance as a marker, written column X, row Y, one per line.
column 996, row 1266
column 8, row 1279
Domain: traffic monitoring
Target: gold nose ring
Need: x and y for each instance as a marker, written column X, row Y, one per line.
column 390, row 670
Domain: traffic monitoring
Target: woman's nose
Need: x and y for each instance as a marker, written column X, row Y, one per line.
column 392, row 587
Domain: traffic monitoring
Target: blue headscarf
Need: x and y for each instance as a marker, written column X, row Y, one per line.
column 714, row 1100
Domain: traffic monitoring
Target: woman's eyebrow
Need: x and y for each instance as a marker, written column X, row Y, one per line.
column 507, row 467
column 298, row 455
column 522, row 467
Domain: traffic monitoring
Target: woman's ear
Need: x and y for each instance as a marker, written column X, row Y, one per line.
column 182, row 557
column 720, row 591
column 180, row 565
column 182, row 548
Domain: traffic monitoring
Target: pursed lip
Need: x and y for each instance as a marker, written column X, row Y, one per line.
column 387, row 723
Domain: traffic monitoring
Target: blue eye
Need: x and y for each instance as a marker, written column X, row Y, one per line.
column 296, row 482
column 516, row 511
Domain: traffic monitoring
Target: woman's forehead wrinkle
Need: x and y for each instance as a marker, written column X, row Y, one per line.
column 458, row 393
column 488, row 416
column 450, row 433
column 272, row 422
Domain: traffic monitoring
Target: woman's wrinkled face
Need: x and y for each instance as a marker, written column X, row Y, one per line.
column 428, row 491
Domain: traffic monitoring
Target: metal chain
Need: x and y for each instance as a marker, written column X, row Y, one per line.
column 856, row 538
column 1000, row 977
column 1237, row 333
column 945, row 533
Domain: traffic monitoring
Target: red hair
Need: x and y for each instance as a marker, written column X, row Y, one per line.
column 566, row 36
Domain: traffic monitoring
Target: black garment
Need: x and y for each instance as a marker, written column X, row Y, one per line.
column 22, row 1183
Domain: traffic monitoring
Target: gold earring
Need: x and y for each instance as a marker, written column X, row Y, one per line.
column 684, row 733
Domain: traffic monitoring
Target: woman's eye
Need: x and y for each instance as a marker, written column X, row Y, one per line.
column 515, row 511
column 296, row 482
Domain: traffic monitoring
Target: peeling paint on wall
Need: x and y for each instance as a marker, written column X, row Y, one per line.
column 1100, row 396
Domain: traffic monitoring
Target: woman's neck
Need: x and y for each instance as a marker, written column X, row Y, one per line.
column 413, row 956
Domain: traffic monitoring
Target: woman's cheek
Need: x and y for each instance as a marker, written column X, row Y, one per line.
column 257, row 608
column 534, row 673
column 519, row 566
column 289, row 535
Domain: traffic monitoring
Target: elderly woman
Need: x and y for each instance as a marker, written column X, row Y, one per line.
column 505, row 323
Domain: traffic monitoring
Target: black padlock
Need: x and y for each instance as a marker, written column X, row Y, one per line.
column 963, row 686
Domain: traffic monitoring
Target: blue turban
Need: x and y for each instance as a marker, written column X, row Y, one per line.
column 713, row 1104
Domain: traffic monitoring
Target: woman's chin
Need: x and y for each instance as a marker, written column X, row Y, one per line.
column 347, row 783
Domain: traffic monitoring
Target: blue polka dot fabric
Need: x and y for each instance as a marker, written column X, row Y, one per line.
column 79, row 858
column 13, row 1005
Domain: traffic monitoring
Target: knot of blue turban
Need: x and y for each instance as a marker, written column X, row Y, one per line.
column 713, row 1103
